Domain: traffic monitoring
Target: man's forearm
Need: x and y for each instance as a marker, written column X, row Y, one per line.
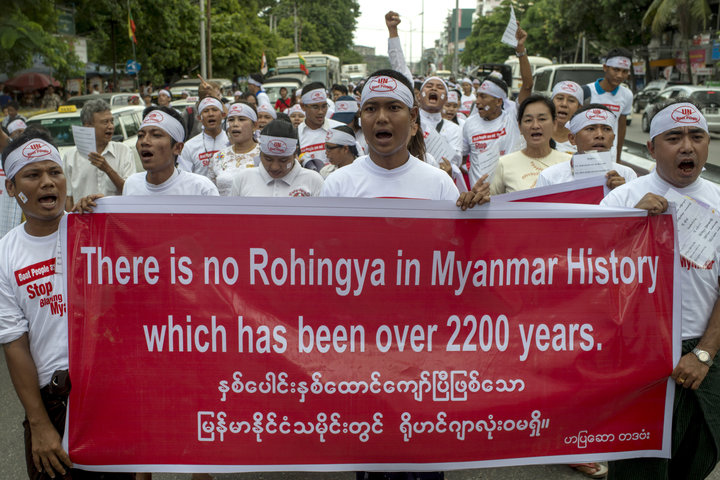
column 23, row 374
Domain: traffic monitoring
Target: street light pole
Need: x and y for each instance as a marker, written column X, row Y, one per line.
column 457, row 35
column 203, row 59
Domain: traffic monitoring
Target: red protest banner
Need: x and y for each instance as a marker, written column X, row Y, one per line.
column 586, row 191
column 366, row 334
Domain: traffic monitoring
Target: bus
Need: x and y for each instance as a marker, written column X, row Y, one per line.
column 321, row 67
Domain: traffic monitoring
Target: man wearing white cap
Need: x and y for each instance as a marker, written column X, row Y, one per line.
column 279, row 173
column 467, row 100
column 33, row 328
column 314, row 129
column 433, row 96
column 610, row 92
column 199, row 150
column 255, row 87
column 490, row 134
column 679, row 142
column 164, row 98
column 592, row 131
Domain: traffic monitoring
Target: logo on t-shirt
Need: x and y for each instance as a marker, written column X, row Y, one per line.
column 383, row 84
column 487, row 136
column 299, row 192
column 612, row 107
column 35, row 150
column 313, row 148
column 35, row 272
column 685, row 114
column 206, row 156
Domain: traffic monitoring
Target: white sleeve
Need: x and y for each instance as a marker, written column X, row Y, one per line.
column 209, row 189
column 465, row 143
column 12, row 319
column 185, row 160
column 542, row 181
column 330, row 187
column 126, row 165
column 67, row 170
column 397, row 58
column 449, row 189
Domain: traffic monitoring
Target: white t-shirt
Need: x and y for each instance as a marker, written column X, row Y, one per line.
column 179, row 183
column 486, row 141
column 619, row 101
column 312, row 142
column 466, row 103
column 226, row 162
column 84, row 179
column 32, row 299
column 256, row 182
column 699, row 285
column 414, row 179
column 562, row 172
column 566, row 147
column 199, row 150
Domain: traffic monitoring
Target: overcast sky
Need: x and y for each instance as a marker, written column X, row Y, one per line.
column 371, row 30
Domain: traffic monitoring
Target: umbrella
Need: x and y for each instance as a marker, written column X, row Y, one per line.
column 27, row 82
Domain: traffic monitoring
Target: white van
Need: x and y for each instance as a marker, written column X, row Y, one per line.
column 545, row 78
column 514, row 63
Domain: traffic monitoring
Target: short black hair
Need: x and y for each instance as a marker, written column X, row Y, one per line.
column 536, row 99
column 313, row 86
column 392, row 74
column 14, row 104
column 591, row 106
column 346, row 129
column 282, row 116
column 279, row 128
column 619, row 52
column 30, row 133
column 173, row 113
column 258, row 77
column 340, row 88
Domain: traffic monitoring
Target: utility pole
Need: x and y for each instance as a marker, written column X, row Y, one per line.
column 203, row 59
column 209, row 37
column 297, row 41
column 457, row 34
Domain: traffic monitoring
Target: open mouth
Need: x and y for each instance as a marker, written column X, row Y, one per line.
column 433, row 96
column 48, row 201
column 146, row 154
column 236, row 132
column 383, row 135
column 536, row 135
column 687, row 166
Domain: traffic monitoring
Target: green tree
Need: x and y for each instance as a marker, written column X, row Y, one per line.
column 27, row 29
column 687, row 16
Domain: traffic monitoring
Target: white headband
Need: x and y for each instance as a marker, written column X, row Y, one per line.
column 252, row 81
column 163, row 121
column 593, row 116
column 387, row 87
column 453, row 97
column 209, row 102
column 277, row 146
column 492, row 89
column 434, row 78
column 237, row 93
column 265, row 108
column 466, row 80
column 338, row 137
column 314, row 96
column 346, row 106
column 164, row 92
column 32, row 151
column 569, row 88
column 15, row 125
column 676, row 116
column 242, row 110
column 619, row 62
column 296, row 109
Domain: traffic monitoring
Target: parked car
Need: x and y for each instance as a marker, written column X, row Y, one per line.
column 113, row 99
column 127, row 121
column 545, row 78
column 707, row 97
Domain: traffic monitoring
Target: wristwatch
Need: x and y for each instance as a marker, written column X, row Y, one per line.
column 703, row 356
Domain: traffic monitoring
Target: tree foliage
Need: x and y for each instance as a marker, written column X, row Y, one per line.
column 26, row 31
column 555, row 28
